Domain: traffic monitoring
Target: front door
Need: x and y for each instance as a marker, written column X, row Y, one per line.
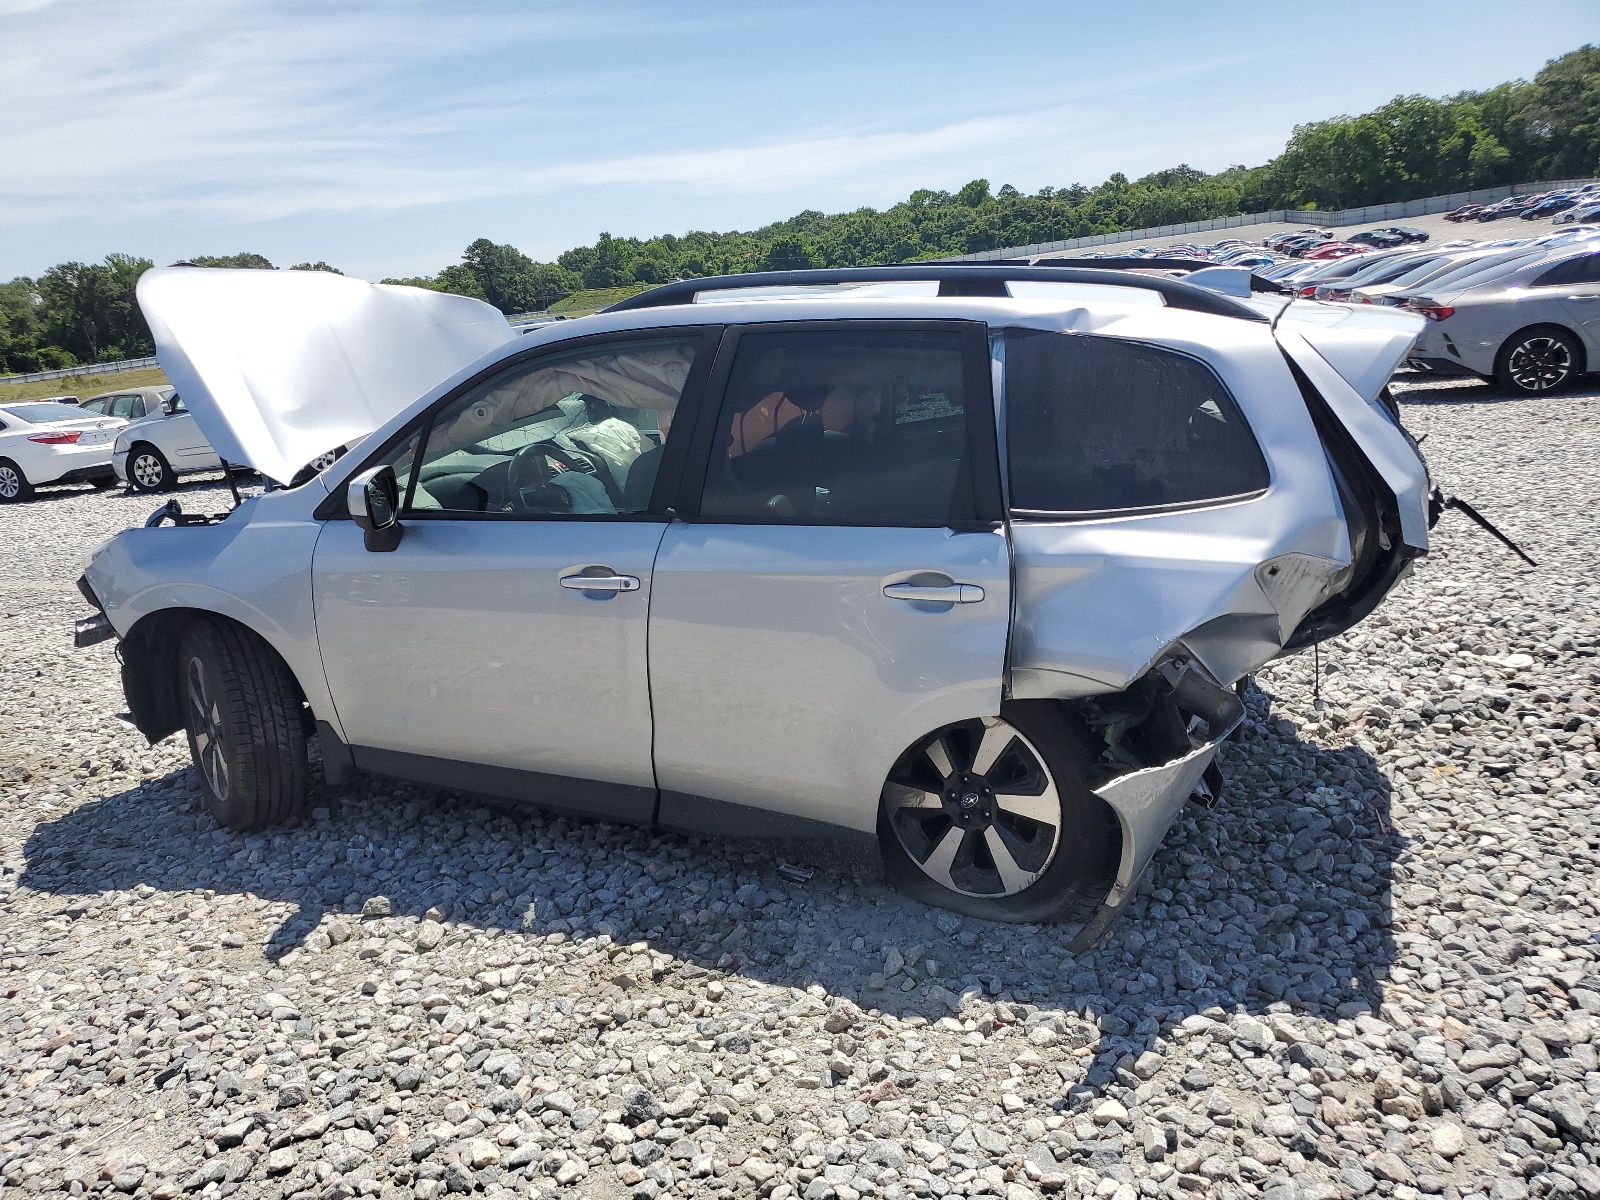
column 840, row 583
column 501, row 647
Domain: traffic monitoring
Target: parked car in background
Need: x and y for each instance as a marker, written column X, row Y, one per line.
column 1579, row 214
column 1534, row 329
column 131, row 404
column 1466, row 212
column 161, row 445
column 42, row 442
column 1444, row 272
column 1335, row 250
column 736, row 555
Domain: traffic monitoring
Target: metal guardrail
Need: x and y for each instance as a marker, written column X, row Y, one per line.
column 127, row 364
column 1397, row 211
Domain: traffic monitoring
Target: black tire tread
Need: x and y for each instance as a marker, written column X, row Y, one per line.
column 1078, row 890
column 26, row 492
column 268, row 768
column 1502, row 359
column 169, row 477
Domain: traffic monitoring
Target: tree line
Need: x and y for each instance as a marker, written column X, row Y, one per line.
column 1546, row 128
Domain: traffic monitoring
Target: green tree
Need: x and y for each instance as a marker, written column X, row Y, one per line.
column 789, row 253
column 319, row 265
column 244, row 259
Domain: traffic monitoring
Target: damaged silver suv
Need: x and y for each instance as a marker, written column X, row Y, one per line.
column 962, row 559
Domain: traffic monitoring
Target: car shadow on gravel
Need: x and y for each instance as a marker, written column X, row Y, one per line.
column 1277, row 897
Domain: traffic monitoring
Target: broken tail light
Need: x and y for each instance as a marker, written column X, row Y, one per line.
column 63, row 438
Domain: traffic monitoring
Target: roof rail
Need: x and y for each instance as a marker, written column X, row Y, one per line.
column 968, row 279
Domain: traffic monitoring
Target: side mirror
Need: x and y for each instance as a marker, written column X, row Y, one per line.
column 170, row 405
column 373, row 498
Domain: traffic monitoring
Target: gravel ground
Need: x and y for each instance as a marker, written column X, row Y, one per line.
column 1370, row 969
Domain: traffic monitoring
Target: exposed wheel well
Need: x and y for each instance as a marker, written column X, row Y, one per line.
column 150, row 682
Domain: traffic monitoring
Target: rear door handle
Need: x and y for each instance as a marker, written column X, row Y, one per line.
column 955, row 593
column 601, row 583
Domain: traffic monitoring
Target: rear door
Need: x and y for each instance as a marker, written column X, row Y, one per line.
column 838, row 583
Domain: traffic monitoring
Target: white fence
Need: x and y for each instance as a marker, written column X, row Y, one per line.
column 127, row 364
column 1350, row 216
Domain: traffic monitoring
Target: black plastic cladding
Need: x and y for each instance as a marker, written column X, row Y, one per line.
column 1177, row 293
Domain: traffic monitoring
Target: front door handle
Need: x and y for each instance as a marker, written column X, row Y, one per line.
column 601, row 583
column 955, row 593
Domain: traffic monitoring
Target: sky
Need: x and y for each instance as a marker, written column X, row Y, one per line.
column 384, row 136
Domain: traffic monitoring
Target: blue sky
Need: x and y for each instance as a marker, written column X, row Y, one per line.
column 383, row 137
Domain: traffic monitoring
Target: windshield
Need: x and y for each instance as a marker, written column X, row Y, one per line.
column 47, row 414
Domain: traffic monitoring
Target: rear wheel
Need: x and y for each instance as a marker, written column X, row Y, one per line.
column 995, row 818
column 148, row 469
column 14, row 485
column 1538, row 360
column 245, row 723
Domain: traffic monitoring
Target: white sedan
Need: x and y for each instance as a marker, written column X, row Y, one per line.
column 45, row 442
column 152, row 452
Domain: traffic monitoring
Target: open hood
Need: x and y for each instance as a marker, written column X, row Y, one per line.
column 279, row 366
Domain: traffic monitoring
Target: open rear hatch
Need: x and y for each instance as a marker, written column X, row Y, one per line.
column 280, row 366
column 1342, row 358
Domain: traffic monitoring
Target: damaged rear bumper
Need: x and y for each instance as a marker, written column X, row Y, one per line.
column 1147, row 800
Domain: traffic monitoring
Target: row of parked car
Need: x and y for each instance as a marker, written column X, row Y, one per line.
column 1524, row 312
column 142, row 437
column 1566, row 207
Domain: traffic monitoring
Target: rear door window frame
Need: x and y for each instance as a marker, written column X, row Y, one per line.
column 977, row 503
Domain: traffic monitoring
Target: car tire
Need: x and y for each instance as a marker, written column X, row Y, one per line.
column 246, row 725
column 14, row 485
column 1035, row 759
column 1538, row 360
column 148, row 469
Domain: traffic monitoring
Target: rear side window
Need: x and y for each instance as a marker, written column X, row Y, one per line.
column 1101, row 425
column 841, row 427
column 1584, row 269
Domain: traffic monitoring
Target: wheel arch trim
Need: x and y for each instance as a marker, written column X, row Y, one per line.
column 149, row 650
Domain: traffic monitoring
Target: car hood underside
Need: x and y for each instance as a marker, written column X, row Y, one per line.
column 280, row 366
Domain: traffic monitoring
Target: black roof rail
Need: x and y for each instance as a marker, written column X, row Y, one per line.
column 968, row 279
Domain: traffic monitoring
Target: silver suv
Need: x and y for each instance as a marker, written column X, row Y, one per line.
column 961, row 560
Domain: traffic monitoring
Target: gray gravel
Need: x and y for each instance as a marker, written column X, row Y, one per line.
column 1369, row 970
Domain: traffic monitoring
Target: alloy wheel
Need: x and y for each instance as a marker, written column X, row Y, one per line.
column 1540, row 363
column 974, row 806
column 207, row 731
column 10, row 483
column 148, row 471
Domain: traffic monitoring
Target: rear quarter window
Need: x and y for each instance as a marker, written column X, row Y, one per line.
column 1100, row 425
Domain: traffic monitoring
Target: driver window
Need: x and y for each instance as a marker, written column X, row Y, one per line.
column 580, row 434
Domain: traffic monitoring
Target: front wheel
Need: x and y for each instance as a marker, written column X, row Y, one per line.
column 1538, row 360
column 14, row 485
column 995, row 819
column 148, row 469
column 245, row 723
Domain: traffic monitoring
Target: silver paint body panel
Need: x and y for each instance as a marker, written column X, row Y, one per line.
column 762, row 665
column 463, row 644
column 784, row 678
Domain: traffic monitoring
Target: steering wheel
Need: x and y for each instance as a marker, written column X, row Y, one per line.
column 528, row 477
